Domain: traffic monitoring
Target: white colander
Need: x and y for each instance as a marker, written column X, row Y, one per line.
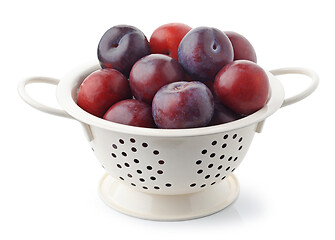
column 164, row 174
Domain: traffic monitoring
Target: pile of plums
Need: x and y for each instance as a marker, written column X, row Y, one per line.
column 182, row 77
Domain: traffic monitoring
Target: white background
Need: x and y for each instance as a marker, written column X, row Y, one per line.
column 49, row 175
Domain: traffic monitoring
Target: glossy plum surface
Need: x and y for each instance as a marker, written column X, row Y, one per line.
column 243, row 86
column 121, row 46
column 204, row 51
column 222, row 115
column 243, row 50
column 151, row 73
column 166, row 38
column 101, row 89
column 131, row 112
column 183, row 105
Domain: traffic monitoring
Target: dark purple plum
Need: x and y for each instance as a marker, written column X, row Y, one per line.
column 222, row 115
column 131, row 112
column 204, row 51
column 152, row 72
column 183, row 105
column 121, row 46
column 243, row 50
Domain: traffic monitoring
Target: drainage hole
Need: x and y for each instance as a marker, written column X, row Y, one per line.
column 155, row 152
column 161, row 162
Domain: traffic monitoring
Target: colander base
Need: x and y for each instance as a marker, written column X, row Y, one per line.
column 168, row 207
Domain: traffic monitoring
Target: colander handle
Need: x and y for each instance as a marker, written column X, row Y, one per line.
column 307, row 91
column 300, row 96
column 39, row 106
column 47, row 109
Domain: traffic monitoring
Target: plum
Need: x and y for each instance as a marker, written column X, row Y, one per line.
column 243, row 50
column 166, row 38
column 243, row 86
column 204, row 51
column 101, row 89
column 222, row 115
column 131, row 112
column 183, row 105
column 121, row 46
column 152, row 72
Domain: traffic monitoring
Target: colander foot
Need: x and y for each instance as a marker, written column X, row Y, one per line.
column 168, row 207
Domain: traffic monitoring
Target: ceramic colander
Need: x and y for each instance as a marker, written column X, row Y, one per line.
column 165, row 174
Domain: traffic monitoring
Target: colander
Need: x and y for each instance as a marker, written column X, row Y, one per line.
column 166, row 174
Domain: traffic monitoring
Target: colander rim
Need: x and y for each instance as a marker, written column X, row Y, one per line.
column 69, row 84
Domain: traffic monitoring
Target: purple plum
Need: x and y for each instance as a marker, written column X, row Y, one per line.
column 183, row 105
column 121, row 46
column 204, row 51
column 222, row 115
column 243, row 50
